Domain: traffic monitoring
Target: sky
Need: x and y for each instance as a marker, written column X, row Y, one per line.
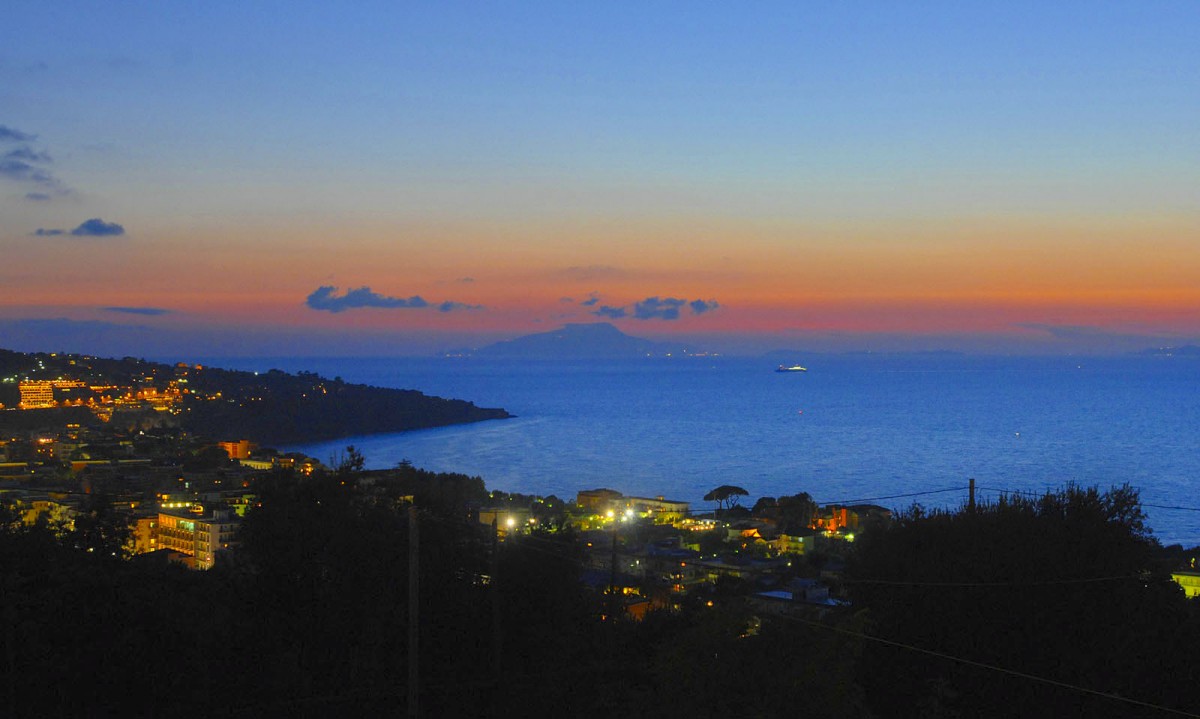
column 277, row 178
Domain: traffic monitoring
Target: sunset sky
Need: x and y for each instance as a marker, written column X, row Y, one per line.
column 274, row 178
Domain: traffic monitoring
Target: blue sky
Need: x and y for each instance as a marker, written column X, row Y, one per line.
column 756, row 155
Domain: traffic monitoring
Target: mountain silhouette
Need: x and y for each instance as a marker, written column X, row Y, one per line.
column 595, row 340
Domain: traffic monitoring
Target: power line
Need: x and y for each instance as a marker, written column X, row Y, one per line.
column 1166, row 506
column 993, row 667
column 1027, row 493
column 896, row 496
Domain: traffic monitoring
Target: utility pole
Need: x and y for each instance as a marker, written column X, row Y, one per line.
column 497, row 629
column 612, row 578
column 971, row 498
column 10, row 628
column 610, row 636
column 413, row 614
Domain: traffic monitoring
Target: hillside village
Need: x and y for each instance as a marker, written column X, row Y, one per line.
column 83, row 428
column 80, row 429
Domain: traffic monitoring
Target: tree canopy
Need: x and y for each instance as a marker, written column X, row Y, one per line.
column 1064, row 586
column 726, row 496
column 794, row 513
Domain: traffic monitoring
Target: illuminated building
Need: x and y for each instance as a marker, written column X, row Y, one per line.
column 302, row 464
column 834, row 518
column 145, row 535
column 237, row 450
column 597, row 500
column 506, row 519
column 44, row 508
column 603, row 501
column 197, row 536
column 793, row 544
column 664, row 511
column 1189, row 580
column 261, row 464
column 36, row 395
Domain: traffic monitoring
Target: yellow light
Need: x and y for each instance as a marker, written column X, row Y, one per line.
column 511, row 522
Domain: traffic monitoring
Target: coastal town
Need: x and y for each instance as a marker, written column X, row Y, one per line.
column 111, row 487
column 81, row 435
column 183, row 497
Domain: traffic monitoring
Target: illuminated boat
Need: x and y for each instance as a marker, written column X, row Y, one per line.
column 791, row 368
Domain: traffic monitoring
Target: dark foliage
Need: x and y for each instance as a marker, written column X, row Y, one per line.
column 727, row 495
column 796, row 513
column 310, row 618
column 101, row 529
column 1064, row 586
column 44, row 420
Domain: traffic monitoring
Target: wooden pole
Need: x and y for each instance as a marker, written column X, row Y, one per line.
column 413, row 615
column 497, row 629
column 612, row 578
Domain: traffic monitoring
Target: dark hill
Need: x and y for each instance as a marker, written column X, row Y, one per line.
column 280, row 408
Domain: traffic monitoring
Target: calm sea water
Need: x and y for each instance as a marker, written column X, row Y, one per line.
column 852, row 427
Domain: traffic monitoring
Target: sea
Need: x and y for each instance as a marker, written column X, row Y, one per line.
column 891, row 430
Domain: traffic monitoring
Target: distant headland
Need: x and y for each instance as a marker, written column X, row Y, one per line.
column 579, row 341
column 272, row 407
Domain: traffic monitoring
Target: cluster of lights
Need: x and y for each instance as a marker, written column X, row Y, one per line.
column 627, row 516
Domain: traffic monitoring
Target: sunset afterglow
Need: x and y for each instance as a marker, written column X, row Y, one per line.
column 1014, row 178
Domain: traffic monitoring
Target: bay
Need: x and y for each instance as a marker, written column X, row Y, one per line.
column 854, row 427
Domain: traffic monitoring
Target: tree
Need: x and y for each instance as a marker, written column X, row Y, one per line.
column 349, row 462
column 796, row 512
column 725, row 496
column 207, row 458
column 711, row 542
column 765, row 507
column 101, row 529
column 1064, row 586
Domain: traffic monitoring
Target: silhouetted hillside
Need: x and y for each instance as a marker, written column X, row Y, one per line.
column 597, row 340
column 281, row 408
